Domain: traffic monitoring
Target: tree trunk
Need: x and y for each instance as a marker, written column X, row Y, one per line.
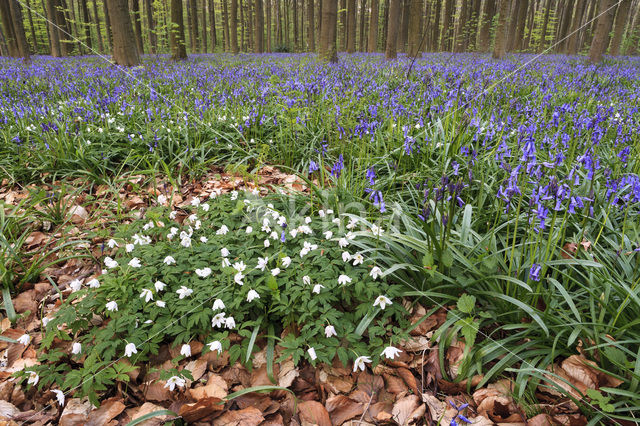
column 193, row 25
column 634, row 34
column 268, row 26
column 319, row 20
column 351, row 26
column 343, row 24
column 311, row 26
column 603, row 27
column 485, row 28
column 73, row 22
column 296, row 38
column 618, row 30
column 500, row 44
column 415, row 33
column 176, row 37
column 543, row 35
column 153, row 41
column 259, row 27
column 523, row 6
column 204, row 37
column 54, row 35
column 285, row 26
column 530, row 25
column 107, row 24
column 434, row 27
column 66, row 45
column 403, row 31
column 233, row 27
column 567, row 14
column 447, row 27
column 463, row 21
column 373, row 27
column 392, row 29
column 137, row 27
column 572, row 42
column 86, row 23
column 125, row 51
column 16, row 38
column 385, row 24
column 226, row 27
column 32, row 27
column 98, row 27
column 328, row 51
column 212, row 24
column 362, row 46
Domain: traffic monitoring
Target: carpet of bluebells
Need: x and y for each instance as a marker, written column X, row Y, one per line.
column 512, row 186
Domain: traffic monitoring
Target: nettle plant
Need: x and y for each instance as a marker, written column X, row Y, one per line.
column 275, row 268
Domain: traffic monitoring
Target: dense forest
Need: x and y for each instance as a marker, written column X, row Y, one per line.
column 127, row 28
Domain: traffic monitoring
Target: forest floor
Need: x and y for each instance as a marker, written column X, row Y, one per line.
column 409, row 390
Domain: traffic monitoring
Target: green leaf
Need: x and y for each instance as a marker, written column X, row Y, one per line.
column 447, row 259
column 466, row 303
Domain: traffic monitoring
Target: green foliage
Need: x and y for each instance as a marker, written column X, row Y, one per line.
column 268, row 261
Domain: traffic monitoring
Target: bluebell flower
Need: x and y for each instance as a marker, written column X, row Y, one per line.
column 534, row 272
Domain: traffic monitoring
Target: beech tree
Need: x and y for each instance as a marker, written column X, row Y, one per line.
column 500, row 44
column 176, row 34
column 328, row 51
column 372, row 43
column 600, row 40
column 125, row 51
column 233, row 27
column 16, row 39
column 622, row 15
column 393, row 23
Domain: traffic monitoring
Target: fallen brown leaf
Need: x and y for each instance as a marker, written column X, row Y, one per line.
column 312, row 412
column 215, row 387
column 342, row 408
column 201, row 409
column 249, row 416
column 108, row 410
column 408, row 409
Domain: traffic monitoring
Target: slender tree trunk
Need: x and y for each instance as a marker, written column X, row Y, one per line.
column 176, row 35
column 193, row 25
column 603, row 27
column 403, row 31
column 4, row 49
column 226, row 19
column 618, row 30
column 311, row 36
column 107, row 24
column 435, row 27
column 125, row 51
column 362, row 46
column 212, row 25
column 137, row 25
column 233, row 27
column 54, row 34
column 520, row 23
column 460, row 37
column 153, row 41
column 392, row 29
column 634, row 34
column 530, row 25
column 351, row 26
column 98, row 26
column 319, row 14
column 204, row 37
column 385, row 24
column 32, row 27
column 545, row 25
column 485, row 28
column 567, row 13
column 13, row 24
column 373, row 27
column 73, row 23
column 259, row 27
column 328, row 51
column 447, row 29
column 572, row 42
column 415, row 18
column 64, row 31
column 343, row 25
column 86, row 23
column 500, row 44
column 268, row 16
